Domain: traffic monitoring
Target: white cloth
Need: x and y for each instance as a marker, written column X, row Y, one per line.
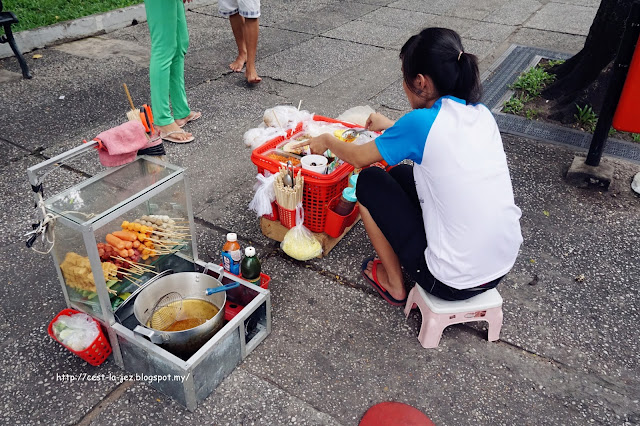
column 246, row 8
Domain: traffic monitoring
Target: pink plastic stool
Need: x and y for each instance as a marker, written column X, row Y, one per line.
column 437, row 313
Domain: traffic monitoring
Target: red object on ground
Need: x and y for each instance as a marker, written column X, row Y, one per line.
column 96, row 353
column 627, row 116
column 394, row 414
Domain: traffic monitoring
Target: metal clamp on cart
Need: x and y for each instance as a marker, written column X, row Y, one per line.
column 123, row 238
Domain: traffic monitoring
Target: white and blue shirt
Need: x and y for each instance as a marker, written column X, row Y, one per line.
column 463, row 184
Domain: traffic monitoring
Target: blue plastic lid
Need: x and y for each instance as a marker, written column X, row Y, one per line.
column 353, row 179
column 349, row 194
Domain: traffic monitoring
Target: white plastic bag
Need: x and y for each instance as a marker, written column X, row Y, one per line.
column 77, row 331
column 255, row 137
column 285, row 116
column 357, row 115
column 265, row 194
column 299, row 242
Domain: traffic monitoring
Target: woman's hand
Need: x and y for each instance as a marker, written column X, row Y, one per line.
column 378, row 122
column 317, row 145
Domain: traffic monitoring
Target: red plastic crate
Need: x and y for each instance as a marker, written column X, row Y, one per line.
column 96, row 353
column 319, row 189
column 336, row 224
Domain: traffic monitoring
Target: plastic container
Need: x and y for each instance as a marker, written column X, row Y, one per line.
column 318, row 189
column 281, row 157
column 314, row 163
column 346, row 202
column 97, row 352
column 231, row 254
column 335, row 223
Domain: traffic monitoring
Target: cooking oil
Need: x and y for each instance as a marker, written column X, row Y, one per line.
column 194, row 312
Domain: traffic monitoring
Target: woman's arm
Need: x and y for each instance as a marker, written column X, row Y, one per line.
column 357, row 155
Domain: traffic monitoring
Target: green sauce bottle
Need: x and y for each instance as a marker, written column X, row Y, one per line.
column 250, row 267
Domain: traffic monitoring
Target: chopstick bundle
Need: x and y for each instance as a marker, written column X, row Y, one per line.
column 287, row 197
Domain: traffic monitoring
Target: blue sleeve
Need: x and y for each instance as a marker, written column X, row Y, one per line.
column 406, row 139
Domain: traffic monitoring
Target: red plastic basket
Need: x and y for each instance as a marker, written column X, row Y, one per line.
column 287, row 217
column 318, row 189
column 336, row 224
column 96, row 353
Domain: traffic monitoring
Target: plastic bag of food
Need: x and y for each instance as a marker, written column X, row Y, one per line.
column 255, row 137
column 357, row 115
column 77, row 331
column 285, row 116
column 265, row 194
column 299, row 242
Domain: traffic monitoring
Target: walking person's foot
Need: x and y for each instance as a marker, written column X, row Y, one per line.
column 252, row 75
column 238, row 64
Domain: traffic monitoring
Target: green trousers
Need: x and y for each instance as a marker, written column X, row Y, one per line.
column 169, row 42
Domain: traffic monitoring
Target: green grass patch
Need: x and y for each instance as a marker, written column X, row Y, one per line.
column 533, row 81
column 40, row 13
column 586, row 117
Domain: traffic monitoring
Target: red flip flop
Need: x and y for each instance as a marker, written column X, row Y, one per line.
column 374, row 282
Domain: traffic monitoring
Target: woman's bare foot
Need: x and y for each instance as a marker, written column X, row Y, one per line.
column 176, row 132
column 383, row 280
column 252, row 75
column 238, row 64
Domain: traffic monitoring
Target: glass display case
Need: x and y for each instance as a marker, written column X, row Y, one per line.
column 112, row 229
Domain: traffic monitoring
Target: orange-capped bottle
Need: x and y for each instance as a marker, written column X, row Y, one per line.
column 231, row 254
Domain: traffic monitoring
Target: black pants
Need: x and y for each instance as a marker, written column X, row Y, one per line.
column 392, row 201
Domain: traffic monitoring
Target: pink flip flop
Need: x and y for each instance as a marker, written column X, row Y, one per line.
column 167, row 137
column 374, row 282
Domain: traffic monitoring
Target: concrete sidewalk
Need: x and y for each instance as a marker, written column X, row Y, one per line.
column 568, row 352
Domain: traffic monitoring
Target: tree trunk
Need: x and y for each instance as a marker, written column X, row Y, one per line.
column 581, row 80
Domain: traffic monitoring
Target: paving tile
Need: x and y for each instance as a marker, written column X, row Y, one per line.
column 514, row 12
column 549, row 40
column 310, row 63
column 563, row 18
column 366, row 33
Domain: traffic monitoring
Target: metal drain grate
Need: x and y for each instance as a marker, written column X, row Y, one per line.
column 495, row 84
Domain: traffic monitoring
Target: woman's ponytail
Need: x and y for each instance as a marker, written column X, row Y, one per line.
column 468, row 85
column 438, row 53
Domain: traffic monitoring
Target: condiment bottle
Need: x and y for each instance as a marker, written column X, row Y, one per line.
column 250, row 266
column 347, row 202
column 231, row 254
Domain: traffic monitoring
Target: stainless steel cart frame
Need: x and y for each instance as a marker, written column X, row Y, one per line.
column 205, row 369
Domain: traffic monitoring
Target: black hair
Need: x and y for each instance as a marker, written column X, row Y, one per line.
column 436, row 52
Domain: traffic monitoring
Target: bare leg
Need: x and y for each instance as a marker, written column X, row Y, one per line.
column 251, row 28
column 390, row 271
column 237, row 25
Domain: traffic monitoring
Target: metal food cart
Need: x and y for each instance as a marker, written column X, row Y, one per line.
column 82, row 216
